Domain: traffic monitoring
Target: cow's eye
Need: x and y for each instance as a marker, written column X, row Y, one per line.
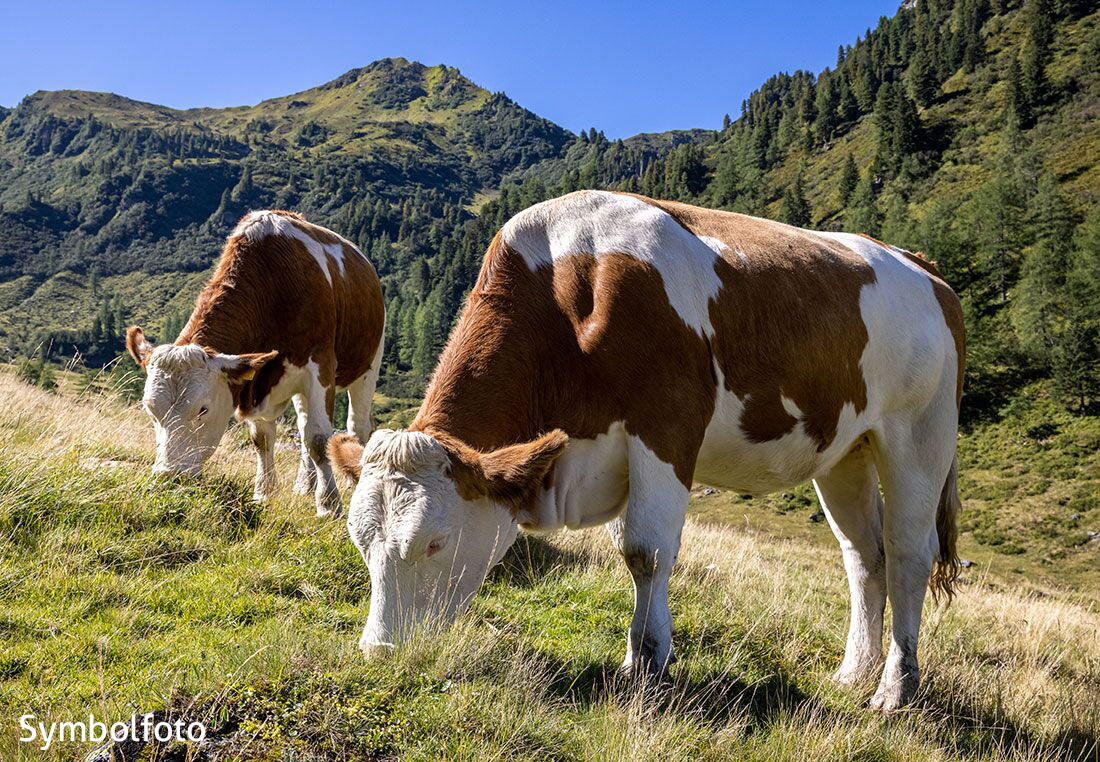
column 202, row 411
column 435, row 546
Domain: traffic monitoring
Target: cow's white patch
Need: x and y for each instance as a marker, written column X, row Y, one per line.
column 600, row 222
column 909, row 344
column 258, row 225
column 361, row 394
column 278, row 397
column 728, row 458
column 589, row 487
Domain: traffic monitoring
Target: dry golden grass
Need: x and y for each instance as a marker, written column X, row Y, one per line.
column 117, row 593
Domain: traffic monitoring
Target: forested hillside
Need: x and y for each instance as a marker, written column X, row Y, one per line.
column 969, row 130
column 966, row 129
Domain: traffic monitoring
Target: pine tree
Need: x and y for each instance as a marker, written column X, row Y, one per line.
column 863, row 212
column 724, row 187
column 796, row 209
column 825, row 105
column 849, row 179
column 1018, row 102
column 47, row 378
column 923, row 78
column 1033, row 73
column 997, row 225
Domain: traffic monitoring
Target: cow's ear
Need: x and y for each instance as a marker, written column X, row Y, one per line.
column 346, row 454
column 241, row 368
column 511, row 475
column 140, row 347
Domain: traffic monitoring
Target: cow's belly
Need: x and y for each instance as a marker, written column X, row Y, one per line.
column 730, row 460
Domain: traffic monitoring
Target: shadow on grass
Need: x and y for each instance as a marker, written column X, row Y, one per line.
column 717, row 699
column 977, row 730
column 531, row 559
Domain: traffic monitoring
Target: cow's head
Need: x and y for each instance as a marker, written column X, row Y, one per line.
column 188, row 396
column 430, row 519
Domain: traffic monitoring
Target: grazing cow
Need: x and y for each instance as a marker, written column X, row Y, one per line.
column 613, row 349
column 293, row 311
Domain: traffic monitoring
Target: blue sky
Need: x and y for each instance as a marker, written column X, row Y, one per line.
column 624, row 67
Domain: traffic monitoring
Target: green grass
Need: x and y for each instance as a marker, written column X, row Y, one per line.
column 118, row 594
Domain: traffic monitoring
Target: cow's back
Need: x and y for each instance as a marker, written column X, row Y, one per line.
column 286, row 284
column 808, row 338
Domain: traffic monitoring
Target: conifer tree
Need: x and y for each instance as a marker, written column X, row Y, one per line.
column 863, row 214
column 796, row 209
column 849, row 179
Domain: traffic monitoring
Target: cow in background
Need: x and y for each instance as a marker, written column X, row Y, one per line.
column 293, row 312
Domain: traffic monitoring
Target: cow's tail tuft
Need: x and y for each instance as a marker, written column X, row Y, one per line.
column 945, row 572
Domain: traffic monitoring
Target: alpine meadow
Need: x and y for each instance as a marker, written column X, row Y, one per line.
column 966, row 130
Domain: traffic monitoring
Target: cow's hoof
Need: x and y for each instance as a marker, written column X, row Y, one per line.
column 329, row 509
column 644, row 670
column 894, row 696
column 848, row 676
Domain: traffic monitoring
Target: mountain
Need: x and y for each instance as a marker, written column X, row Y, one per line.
column 966, row 129
column 96, row 188
column 112, row 210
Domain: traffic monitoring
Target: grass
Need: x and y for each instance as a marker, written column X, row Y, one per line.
column 120, row 595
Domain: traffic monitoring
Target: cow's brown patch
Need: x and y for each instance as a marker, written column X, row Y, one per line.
column 139, row 347
column 270, row 295
column 577, row 347
column 786, row 322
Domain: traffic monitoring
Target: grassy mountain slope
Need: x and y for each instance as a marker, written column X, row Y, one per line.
column 95, row 184
column 968, row 119
column 120, row 595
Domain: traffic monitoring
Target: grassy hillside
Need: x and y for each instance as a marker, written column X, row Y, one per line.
column 122, row 595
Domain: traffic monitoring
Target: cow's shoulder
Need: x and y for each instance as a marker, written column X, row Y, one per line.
column 602, row 224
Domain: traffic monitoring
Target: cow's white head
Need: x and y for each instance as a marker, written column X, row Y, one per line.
column 188, row 396
column 431, row 518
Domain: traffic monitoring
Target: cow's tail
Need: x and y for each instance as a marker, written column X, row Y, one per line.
column 945, row 571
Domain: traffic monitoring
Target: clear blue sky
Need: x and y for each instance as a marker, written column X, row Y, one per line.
column 624, row 67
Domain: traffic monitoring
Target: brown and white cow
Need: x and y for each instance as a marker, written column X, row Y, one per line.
column 614, row 349
column 293, row 312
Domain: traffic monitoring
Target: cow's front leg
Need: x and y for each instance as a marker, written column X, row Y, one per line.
column 648, row 537
column 315, row 428
column 262, row 434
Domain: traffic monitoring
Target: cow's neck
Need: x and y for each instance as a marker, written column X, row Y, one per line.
column 229, row 312
column 493, row 385
column 484, row 391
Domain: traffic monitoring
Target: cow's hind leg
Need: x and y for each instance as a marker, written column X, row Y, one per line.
column 262, row 434
column 360, row 397
column 648, row 537
column 306, row 481
column 913, row 461
column 315, row 428
column 850, row 496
